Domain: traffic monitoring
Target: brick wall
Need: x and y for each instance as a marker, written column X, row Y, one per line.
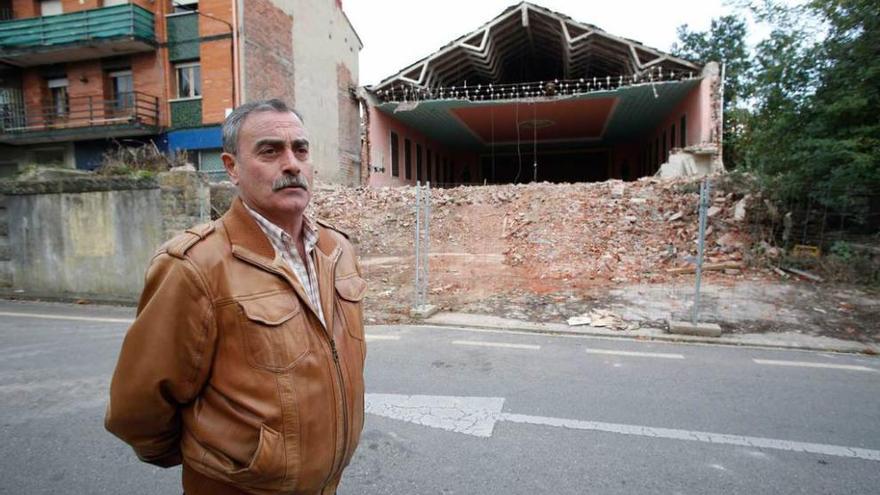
column 149, row 77
column 34, row 90
column 86, row 89
column 268, row 52
column 150, row 5
column 25, row 8
column 349, row 128
column 185, row 201
column 68, row 6
column 217, row 82
column 216, row 60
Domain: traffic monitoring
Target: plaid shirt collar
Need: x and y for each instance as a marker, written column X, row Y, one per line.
column 281, row 240
column 303, row 269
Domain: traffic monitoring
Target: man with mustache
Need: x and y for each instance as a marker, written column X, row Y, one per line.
column 245, row 362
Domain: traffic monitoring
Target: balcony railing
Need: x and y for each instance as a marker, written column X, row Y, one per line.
column 130, row 110
column 131, row 25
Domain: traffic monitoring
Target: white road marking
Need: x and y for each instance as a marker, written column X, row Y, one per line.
column 808, row 364
column 67, row 317
column 635, row 354
column 477, row 416
column 382, row 337
column 469, row 415
column 698, row 436
column 496, row 344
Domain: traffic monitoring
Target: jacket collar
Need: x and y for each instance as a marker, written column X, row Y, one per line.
column 244, row 232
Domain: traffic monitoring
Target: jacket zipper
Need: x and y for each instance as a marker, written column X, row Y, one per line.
column 341, row 380
column 339, row 376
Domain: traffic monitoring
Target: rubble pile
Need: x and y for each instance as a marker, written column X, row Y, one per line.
column 588, row 233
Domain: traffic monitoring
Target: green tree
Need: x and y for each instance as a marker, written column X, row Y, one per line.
column 815, row 124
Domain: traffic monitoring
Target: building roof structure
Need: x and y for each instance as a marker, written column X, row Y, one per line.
column 528, row 42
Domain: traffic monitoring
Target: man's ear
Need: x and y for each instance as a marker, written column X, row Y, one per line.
column 231, row 167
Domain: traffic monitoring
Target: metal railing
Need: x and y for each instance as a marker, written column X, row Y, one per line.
column 134, row 108
column 86, row 25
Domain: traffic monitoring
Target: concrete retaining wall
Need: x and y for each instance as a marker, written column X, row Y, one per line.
column 93, row 238
column 5, row 247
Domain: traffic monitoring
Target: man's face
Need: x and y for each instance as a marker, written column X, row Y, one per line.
column 272, row 168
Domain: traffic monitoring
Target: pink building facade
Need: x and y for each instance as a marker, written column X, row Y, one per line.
column 507, row 104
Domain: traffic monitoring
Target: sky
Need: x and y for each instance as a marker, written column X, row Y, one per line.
column 397, row 33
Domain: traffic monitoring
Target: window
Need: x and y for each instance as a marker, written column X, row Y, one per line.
column 656, row 161
column 58, row 92
column 121, row 90
column 50, row 7
column 683, row 126
column 663, row 148
column 407, row 158
column 189, row 80
column 395, row 156
column 429, row 166
column 419, row 162
column 50, row 156
column 181, row 6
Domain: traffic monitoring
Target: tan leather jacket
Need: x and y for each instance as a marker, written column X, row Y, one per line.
column 227, row 368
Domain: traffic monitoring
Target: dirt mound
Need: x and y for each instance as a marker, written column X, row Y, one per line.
column 538, row 238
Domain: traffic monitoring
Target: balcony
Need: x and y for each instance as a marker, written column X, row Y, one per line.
column 88, row 34
column 80, row 118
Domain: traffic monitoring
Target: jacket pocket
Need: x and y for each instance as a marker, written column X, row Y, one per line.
column 351, row 290
column 266, row 467
column 273, row 331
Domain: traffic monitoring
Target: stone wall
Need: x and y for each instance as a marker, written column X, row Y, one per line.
column 92, row 237
column 185, row 201
column 5, row 247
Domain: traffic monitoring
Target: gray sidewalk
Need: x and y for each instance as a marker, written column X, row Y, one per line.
column 781, row 340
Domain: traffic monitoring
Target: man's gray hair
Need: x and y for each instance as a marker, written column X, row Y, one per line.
column 232, row 124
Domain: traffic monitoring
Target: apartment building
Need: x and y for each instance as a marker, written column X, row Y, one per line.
column 78, row 77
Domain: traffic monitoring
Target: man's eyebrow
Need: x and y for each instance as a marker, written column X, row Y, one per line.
column 271, row 141
column 275, row 142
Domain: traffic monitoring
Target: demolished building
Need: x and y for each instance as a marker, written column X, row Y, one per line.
column 534, row 95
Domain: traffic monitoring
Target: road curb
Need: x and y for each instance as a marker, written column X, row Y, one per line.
column 462, row 320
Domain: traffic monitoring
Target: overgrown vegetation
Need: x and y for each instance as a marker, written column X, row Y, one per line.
column 801, row 108
column 140, row 161
column 802, row 118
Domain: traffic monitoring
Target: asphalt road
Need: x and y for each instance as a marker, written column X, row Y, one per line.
column 476, row 412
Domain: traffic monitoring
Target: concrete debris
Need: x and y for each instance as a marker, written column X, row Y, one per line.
column 579, row 320
column 804, row 274
column 739, row 211
column 698, row 329
column 709, row 267
column 684, row 164
column 610, row 319
column 601, row 318
column 537, row 237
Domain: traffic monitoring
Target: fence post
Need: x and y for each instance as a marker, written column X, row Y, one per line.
column 705, row 187
column 422, row 249
column 418, row 258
